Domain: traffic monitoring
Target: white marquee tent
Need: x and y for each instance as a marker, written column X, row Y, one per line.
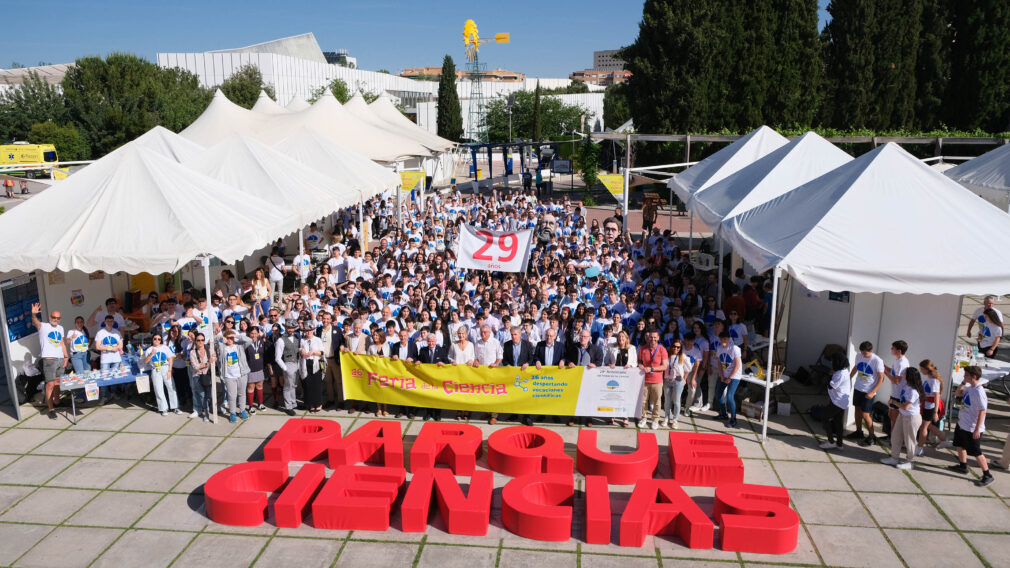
column 222, row 119
column 136, row 211
column 987, row 176
column 345, row 166
column 298, row 105
column 168, row 143
column 383, row 109
column 266, row 105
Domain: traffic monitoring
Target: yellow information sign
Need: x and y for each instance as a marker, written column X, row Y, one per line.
column 410, row 180
column 614, row 184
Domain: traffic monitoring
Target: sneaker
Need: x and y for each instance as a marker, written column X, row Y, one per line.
column 262, row 407
column 918, row 451
column 674, row 425
column 706, row 407
column 290, row 411
column 206, row 418
column 194, row 414
column 164, row 413
column 730, row 424
column 664, row 422
column 655, row 425
column 176, row 411
column 839, row 446
column 888, row 461
column 868, row 441
column 987, row 479
column 52, row 415
column 958, row 468
column 905, row 465
column 251, row 410
column 244, row 415
column 232, row 418
column 857, row 435
column 827, row 445
column 643, row 423
column 944, row 445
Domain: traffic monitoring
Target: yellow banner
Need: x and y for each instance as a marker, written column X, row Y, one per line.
column 409, row 180
column 576, row 391
column 614, row 184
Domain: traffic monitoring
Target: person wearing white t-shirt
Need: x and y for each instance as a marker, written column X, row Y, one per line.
column 77, row 341
column 989, row 303
column 159, row 357
column 276, row 269
column 906, row 428
column 990, row 333
column 971, row 425
column 730, row 371
column 302, row 265
column 53, row 354
column 838, row 391
column 896, row 374
column 868, row 375
column 111, row 308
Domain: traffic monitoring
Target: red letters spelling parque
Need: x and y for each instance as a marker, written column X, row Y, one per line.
column 538, row 503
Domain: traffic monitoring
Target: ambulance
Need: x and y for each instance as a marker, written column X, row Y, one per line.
column 20, row 153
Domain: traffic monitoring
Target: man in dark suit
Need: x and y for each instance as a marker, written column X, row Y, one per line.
column 333, row 339
column 404, row 350
column 518, row 352
column 584, row 353
column 432, row 353
column 549, row 353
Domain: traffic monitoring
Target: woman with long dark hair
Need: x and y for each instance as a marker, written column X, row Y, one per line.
column 906, row 427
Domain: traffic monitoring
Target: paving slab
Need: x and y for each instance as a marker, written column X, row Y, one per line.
column 836, row 547
column 49, row 505
column 995, row 548
column 929, row 549
column 11, row 494
column 904, row 511
column 114, row 419
column 804, row 553
column 184, row 448
column 673, row 547
column 237, row 450
column 36, row 420
column 33, row 470
column 799, row 448
column 72, row 443
column 536, row 559
column 607, row 561
column 435, row 556
column 760, row 472
column 114, row 509
column 144, row 549
column 6, row 459
column 69, row 547
column 810, row 475
column 365, row 555
column 128, row 446
column 222, row 551
column 831, row 508
column 197, row 427
column 153, row 476
column 91, row 473
column 194, row 480
column 262, row 426
column 301, row 552
column 23, row 440
column 176, row 512
column 975, row 513
column 941, row 482
column 154, row 423
column 877, row 477
column 15, row 540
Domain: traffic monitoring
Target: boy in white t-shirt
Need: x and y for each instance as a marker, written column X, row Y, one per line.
column 896, row 374
column 868, row 375
column 971, row 425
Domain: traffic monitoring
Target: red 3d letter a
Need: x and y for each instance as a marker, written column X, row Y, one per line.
column 619, row 469
column 301, row 439
column 468, row 514
column 376, row 442
column 660, row 506
column 237, row 495
column 458, row 445
column 539, row 506
column 756, row 518
column 526, row 450
column 704, row 459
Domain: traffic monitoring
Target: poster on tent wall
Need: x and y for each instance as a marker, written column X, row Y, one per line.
column 409, row 181
column 614, row 184
column 498, row 251
column 19, row 293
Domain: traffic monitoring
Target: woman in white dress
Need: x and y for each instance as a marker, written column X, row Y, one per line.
column 461, row 353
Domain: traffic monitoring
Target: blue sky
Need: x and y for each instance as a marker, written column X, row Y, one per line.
column 549, row 39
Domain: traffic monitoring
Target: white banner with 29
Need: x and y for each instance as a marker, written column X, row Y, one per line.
column 498, row 251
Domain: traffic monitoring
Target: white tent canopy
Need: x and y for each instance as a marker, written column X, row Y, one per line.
column 345, row 166
column 714, row 168
column 136, row 211
column 222, row 119
column 332, row 120
column 272, row 176
column 167, row 143
column 266, row 105
column 383, row 108
column 297, row 105
column 884, row 222
column 794, row 164
column 988, row 176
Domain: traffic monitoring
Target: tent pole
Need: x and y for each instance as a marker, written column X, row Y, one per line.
column 361, row 225
column 301, row 241
column 718, row 299
column 627, row 174
column 771, row 354
column 205, row 261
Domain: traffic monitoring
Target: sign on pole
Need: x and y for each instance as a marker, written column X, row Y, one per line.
column 499, row 251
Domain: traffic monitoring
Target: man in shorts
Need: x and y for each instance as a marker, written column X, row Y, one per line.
column 868, row 375
column 53, row 354
column 971, row 425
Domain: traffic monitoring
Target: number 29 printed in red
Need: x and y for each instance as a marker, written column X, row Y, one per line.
column 500, row 251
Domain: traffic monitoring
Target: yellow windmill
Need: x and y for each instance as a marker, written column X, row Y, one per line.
column 477, row 123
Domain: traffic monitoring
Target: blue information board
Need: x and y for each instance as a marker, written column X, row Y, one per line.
column 19, row 294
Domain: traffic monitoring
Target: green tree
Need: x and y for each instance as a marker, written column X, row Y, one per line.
column 849, row 62
column 555, row 117
column 538, row 130
column 615, row 106
column 576, row 87
column 980, row 65
column 896, row 42
column 932, row 65
column 244, row 86
column 22, row 106
column 588, row 161
column 112, row 101
column 450, row 114
column 337, row 87
column 69, row 142
column 795, row 71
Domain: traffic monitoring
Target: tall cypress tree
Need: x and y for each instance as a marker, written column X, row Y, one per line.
column 932, row 64
column 795, row 72
column 896, row 28
column 980, row 66
column 537, row 133
column 849, row 62
column 748, row 56
column 450, row 115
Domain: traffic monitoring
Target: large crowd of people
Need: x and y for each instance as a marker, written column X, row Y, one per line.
column 592, row 295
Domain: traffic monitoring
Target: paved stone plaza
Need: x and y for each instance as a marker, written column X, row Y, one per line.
column 124, row 488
